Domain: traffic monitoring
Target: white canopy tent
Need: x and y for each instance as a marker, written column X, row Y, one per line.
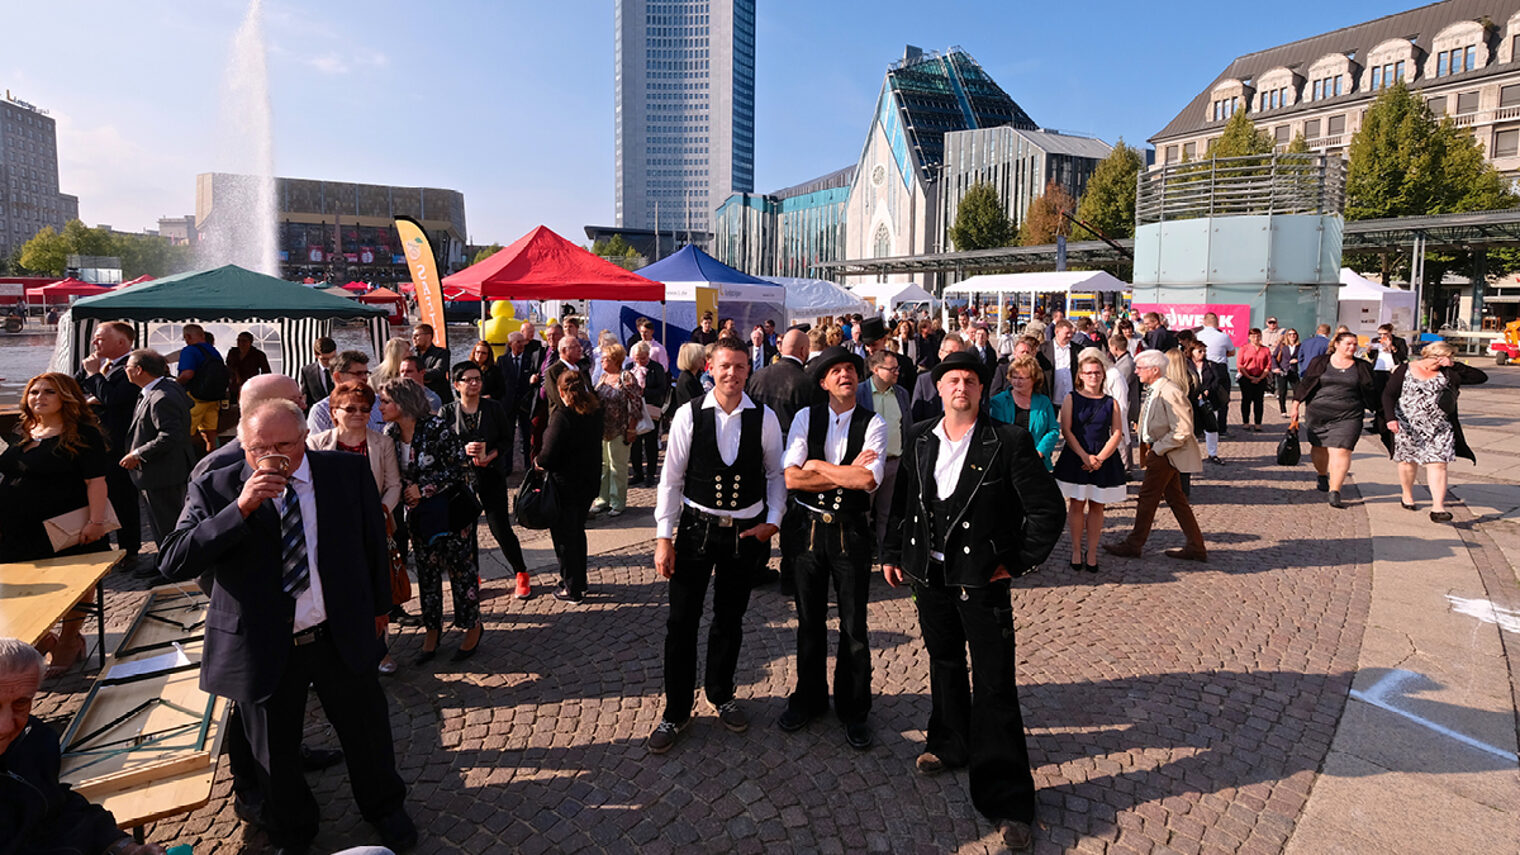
column 886, row 296
column 1365, row 305
column 807, row 299
column 1049, row 282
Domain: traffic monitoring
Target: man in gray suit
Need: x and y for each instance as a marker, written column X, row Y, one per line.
column 1118, row 351
column 159, row 452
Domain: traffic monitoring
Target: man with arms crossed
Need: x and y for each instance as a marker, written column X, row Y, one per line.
column 720, row 501
column 974, row 506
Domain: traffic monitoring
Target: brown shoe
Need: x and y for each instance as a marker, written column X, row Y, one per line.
column 1017, row 836
column 929, row 764
column 1187, row 554
column 1123, row 548
column 665, row 736
column 733, row 717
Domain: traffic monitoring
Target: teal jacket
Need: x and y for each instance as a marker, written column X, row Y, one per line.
column 1043, row 424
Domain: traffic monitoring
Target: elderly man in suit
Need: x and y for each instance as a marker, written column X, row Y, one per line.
column 159, row 453
column 316, row 379
column 519, row 370
column 103, row 376
column 760, row 351
column 926, row 403
column 292, row 543
column 1166, row 437
column 974, row 507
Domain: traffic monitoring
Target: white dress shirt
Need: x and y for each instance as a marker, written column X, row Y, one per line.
column 836, row 441
column 948, row 466
column 310, row 608
column 1060, row 384
column 667, row 511
column 1217, row 345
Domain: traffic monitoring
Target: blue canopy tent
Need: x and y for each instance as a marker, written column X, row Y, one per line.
column 747, row 299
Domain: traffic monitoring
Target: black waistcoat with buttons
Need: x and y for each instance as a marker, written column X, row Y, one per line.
column 942, row 511
column 709, row 481
column 837, row 500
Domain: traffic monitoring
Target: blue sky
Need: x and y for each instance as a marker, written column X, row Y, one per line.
column 511, row 102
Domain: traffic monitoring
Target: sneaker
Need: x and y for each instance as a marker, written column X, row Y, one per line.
column 598, row 508
column 614, row 512
column 1335, row 500
column 563, row 595
column 1322, row 483
column 732, row 716
column 664, row 737
column 1216, row 460
column 524, row 587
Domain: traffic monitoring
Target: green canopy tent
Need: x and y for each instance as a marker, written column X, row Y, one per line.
column 224, row 294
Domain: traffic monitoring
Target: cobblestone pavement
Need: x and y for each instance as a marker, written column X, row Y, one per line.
column 1171, row 706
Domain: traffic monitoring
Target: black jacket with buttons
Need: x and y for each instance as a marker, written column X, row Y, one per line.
column 1011, row 518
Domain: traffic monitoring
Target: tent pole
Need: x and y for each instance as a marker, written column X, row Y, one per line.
column 664, row 329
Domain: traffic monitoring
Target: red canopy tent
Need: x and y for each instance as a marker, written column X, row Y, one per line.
column 541, row 265
column 356, row 287
column 63, row 289
column 395, row 302
column 138, row 281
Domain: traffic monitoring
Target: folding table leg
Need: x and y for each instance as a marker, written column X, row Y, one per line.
column 100, row 618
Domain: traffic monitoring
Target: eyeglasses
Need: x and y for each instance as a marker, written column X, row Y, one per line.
column 284, row 448
column 469, row 380
column 351, row 410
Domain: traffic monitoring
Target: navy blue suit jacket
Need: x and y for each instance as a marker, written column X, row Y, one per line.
column 250, row 621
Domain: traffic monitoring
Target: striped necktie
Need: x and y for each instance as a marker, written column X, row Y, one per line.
column 296, row 574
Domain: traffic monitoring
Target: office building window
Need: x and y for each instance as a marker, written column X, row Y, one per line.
column 1467, row 102
column 1398, row 70
column 1335, row 125
column 1311, row 129
column 1377, row 78
column 1437, row 105
column 1506, row 143
column 1280, row 134
column 1189, row 151
column 1472, row 58
column 1337, row 80
column 1317, row 91
column 1171, row 154
column 1509, row 96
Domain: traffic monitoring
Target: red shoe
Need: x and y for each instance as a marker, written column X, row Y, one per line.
column 524, row 589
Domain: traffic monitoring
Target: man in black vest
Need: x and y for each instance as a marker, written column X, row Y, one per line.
column 787, row 388
column 973, row 507
column 835, row 455
column 720, row 501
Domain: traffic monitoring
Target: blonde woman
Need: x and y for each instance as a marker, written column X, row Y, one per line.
column 396, row 350
column 1420, row 401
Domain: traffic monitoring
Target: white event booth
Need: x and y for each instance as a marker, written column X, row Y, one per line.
column 1365, row 305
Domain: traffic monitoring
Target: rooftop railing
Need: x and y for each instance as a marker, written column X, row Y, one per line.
column 1242, row 186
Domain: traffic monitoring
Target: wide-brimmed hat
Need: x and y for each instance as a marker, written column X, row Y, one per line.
column 872, row 329
column 963, row 361
column 819, row 365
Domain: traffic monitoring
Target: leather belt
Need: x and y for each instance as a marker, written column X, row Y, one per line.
column 828, row 517
column 307, row 636
column 712, row 519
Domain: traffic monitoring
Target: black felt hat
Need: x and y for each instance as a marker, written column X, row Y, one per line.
column 819, row 365
column 872, row 329
column 963, row 361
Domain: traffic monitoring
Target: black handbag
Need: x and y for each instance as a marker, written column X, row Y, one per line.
column 1204, row 417
column 1288, row 452
column 537, row 501
column 445, row 513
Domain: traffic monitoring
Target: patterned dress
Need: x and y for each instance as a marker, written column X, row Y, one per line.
column 436, row 463
column 1425, row 434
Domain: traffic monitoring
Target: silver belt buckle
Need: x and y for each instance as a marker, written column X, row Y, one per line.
column 725, row 522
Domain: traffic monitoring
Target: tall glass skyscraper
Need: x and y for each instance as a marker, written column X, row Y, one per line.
column 685, row 110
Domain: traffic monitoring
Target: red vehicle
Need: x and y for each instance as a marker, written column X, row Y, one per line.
column 1507, row 350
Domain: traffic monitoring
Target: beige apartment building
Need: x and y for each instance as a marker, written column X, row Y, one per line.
column 1461, row 56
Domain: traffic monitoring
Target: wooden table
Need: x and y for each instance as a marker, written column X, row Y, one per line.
column 35, row 595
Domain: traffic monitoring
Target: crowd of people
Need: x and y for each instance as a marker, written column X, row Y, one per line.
column 951, row 459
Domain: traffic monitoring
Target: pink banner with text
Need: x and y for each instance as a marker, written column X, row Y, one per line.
column 1234, row 319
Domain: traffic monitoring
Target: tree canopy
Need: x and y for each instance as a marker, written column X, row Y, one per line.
column 48, row 251
column 1404, row 162
column 1043, row 221
column 1108, row 203
column 980, row 221
column 486, row 253
column 1241, row 138
column 614, row 247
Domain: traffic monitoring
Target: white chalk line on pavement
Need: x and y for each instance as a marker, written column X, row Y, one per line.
column 1507, row 620
column 1377, row 694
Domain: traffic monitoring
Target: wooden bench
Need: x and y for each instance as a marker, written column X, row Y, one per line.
column 35, row 595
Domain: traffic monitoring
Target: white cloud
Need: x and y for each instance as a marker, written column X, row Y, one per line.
column 121, row 178
column 328, row 64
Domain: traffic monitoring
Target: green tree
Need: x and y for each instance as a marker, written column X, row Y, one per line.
column 1108, row 204
column 980, row 221
column 614, row 247
column 1299, row 145
column 83, row 240
column 47, row 252
column 1404, row 162
column 486, row 253
column 1241, row 138
column 149, row 255
column 1043, row 221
